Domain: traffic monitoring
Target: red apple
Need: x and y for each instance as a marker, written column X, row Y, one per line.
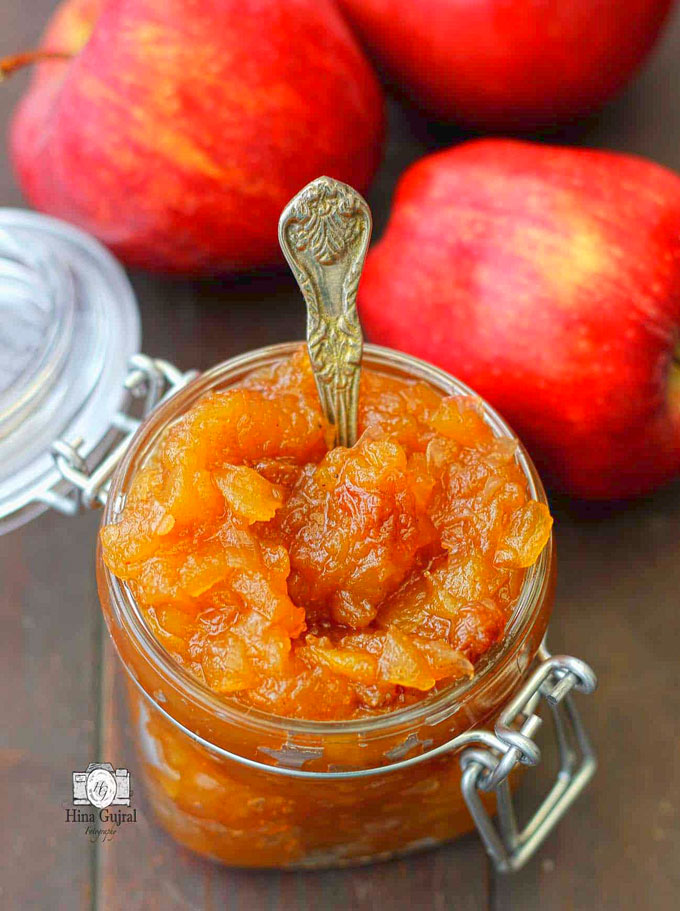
column 180, row 128
column 549, row 280
column 508, row 64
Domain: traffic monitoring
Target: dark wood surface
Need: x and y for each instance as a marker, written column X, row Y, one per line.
column 617, row 607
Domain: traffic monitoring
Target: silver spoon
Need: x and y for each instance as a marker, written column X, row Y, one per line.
column 324, row 233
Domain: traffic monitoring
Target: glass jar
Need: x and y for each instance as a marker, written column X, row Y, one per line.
column 214, row 770
column 244, row 787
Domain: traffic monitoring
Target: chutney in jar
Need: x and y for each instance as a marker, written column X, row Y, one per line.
column 301, row 582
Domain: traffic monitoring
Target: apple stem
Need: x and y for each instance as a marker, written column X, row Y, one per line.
column 15, row 62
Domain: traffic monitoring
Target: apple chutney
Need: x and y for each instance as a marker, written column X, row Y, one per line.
column 296, row 604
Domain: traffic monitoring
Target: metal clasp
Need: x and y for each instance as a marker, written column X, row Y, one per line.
column 487, row 769
column 88, row 477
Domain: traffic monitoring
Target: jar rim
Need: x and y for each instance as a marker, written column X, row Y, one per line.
column 429, row 710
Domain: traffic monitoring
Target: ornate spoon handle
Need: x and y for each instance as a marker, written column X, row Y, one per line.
column 324, row 233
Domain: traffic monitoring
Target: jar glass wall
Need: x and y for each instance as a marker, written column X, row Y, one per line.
column 216, row 773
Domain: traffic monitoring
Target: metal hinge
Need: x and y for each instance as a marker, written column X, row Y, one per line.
column 88, row 477
column 487, row 768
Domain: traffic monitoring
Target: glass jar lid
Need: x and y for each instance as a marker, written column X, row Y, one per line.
column 68, row 325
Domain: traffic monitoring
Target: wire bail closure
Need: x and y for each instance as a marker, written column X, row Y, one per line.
column 488, row 770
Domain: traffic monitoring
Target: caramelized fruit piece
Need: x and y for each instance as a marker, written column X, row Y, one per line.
column 525, row 537
column 327, row 584
column 355, row 530
column 248, row 494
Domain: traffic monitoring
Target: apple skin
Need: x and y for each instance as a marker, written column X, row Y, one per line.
column 181, row 128
column 548, row 279
column 508, row 64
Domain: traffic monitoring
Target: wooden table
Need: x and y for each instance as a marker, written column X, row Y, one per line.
column 617, row 607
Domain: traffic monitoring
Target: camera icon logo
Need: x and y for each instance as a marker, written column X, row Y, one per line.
column 100, row 785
